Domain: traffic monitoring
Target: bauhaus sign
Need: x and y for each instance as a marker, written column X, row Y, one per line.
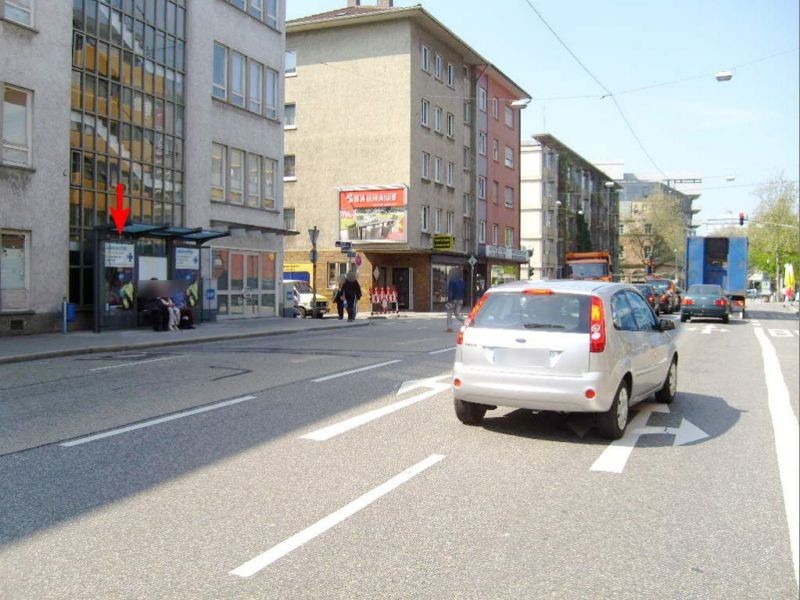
column 373, row 214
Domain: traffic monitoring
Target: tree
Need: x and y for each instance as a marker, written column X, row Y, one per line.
column 655, row 233
column 774, row 227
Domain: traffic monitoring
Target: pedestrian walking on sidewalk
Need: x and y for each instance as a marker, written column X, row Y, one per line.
column 456, row 291
column 352, row 294
column 338, row 296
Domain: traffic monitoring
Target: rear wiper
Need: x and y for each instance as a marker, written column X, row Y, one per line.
column 542, row 326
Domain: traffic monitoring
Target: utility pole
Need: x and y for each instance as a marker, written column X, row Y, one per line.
column 313, row 235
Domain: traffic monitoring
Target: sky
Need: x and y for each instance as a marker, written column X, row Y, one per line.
column 748, row 127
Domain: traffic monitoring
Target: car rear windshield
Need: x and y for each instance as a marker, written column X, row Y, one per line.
column 705, row 290
column 645, row 289
column 586, row 270
column 557, row 312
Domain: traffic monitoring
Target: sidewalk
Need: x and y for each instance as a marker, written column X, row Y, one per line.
column 51, row 345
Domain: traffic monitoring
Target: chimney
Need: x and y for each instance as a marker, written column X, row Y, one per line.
column 385, row 3
column 352, row 3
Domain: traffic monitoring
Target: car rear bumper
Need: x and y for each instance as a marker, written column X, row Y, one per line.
column 535, row 392
column 713, row 312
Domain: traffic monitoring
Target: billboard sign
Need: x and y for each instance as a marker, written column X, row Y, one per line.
column 443, row 242
column 374, row 215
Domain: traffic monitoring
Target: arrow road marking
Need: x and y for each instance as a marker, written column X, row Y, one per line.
column 708, row 329
column 435, row 383
column 253, row 566
column 615, row 457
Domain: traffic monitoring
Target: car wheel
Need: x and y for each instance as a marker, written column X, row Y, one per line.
column 469, row 413
column 684, row 318
column 667, row 392
column 726, row 319
column 303, row 313
column 612, row 423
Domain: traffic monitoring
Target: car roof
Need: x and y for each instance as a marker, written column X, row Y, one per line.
column 562, row 285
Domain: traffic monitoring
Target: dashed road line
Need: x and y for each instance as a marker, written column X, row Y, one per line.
column 352, row 371
column 280, row 550
column 133, row 364
column 442, row 351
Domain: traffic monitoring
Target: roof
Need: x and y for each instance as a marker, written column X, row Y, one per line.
column 551, row 141
column 361, row 15
column 564, row 285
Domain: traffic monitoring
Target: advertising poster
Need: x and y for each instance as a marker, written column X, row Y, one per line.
column 187, row 258
column 119, row 255
column 376, row 215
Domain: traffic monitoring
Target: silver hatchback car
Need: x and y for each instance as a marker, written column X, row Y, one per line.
column 568, row 346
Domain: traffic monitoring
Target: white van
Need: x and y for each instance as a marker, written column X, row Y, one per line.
column 305, row 294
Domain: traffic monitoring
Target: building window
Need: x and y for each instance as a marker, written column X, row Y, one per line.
column 426, row 217
column 495, row 150
column 482, row 143
column 437, row 67
column 19, row 11
column 467, row 205
column 217, row 173
column 509, row 197
column 290, row 63
column 451, row 125
column 467, row 166
column 509, row 161
column 255, row 8
column 220, row 72
column 495, row 192
column 272, row 13
column 290, row 116
column 253, row 181
column 648, row 229
column 495, row 105
column 270, row 168
column 482, row 232
column 335, row 271
column 495, row 234
column 254, row 87
column 482, row 99
column 437, row 119
column 425, row 114
column 509, row 117
column 451, row 220
column 236, row 192
column 425, row 59
column 481, row 187
column 467, row 113
column 272, row 94
column 509, row 237
column 548, row 218
column 288, row 219
column 237, row 79
column 14, row 267
column 289, row 172
column 451, row 75
column 451, row 174
column 426, row 166
column 15, row 129
column 437, row 221
column 437, row 170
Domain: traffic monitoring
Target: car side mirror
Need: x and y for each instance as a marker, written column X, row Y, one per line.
column 666, row 325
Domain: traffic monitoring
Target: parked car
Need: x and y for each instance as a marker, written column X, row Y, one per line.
column 751, row 293
column 667, row 296
column 305, row 295
column 650, row 294
column 707, row 301
column 568, row 346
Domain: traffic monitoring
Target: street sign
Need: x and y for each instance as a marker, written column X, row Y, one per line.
column 351, row 254
column 344, row 245
column 443, row 241
column 376, row 273
column 472, row 261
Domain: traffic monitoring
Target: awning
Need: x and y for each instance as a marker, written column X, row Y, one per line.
column 249, row 227
column 198, row 235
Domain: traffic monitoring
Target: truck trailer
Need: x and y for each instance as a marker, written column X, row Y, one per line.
column 719, row 261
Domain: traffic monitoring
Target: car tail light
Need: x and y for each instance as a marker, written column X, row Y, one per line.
column 688, row 301
column 652, row 299
column 720, row 302
column 470, row 318
column 597, row 326
column 739, row 302
column 664, row 298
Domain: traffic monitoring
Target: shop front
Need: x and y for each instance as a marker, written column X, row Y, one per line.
column 501, row 265
column 444, row 269
column 245, row 283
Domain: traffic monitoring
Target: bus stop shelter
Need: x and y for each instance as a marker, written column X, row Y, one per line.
column 125, row 263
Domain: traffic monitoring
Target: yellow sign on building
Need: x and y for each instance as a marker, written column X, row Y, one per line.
column 443, row 242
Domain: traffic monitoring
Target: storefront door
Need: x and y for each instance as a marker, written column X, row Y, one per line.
column 401, row 279
column 245, row 283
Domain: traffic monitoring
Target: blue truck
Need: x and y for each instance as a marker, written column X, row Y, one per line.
column 720, row 261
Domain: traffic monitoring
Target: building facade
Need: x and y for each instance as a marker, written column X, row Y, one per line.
column 178, row 103
column 568, row 205
column 382, row 150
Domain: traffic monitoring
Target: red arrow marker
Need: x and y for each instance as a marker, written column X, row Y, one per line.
column 120, row 214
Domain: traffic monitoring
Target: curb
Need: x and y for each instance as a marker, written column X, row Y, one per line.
column 6, row 360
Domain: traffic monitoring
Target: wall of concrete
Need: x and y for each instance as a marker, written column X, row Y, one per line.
column 36, row 200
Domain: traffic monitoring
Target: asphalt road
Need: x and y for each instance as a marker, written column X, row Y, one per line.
column 302, row 467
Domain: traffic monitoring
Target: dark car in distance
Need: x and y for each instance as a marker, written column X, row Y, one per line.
column 705, row 301
column 651, row 295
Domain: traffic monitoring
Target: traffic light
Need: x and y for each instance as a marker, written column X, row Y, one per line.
column 741, row 219
column 650, row 265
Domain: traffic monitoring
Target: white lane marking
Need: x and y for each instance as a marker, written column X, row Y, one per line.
column 442, row 351
column 787, row 441
column 615, row 457
column 151, row 422
column 779, row 333
column 361, row 370
column 261, row 561
column 326, row 433
column 133, row 364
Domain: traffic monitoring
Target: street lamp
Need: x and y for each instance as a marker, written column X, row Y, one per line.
column 313, row 235
column 724, row 75
column 520, row 104
column 675, row 250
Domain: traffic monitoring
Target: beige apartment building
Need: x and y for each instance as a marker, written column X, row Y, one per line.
column 380, row 149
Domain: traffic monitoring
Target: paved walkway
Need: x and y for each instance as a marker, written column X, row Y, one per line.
column 49, row 345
